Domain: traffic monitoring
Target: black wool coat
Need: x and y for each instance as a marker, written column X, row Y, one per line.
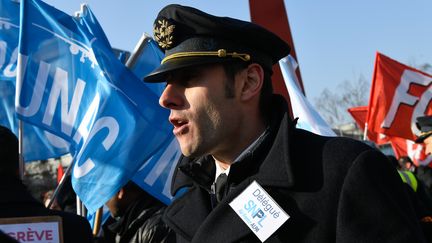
column 142, row 223
column 16, row 201
column 334, row 189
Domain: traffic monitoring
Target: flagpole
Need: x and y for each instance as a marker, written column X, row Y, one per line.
column 78, row 206
column 20, row 149
column 365, row 132
column 137, row 51
column 59, row 186
column 83, row 209
column 97, row 221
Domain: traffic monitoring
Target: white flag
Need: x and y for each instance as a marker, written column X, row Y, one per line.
column 309, row 119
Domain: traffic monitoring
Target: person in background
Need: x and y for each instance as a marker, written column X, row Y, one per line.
column 424, row 124
column 46, row 199
column 138, row 218
column 16, row 200
column 420, row 198
column 409, row 169
column 250, row 173
column 66, row 197
column 424, row 172
column 406, row 164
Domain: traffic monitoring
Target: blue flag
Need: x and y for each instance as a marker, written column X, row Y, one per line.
column 70, row 83
column 88, row 19
column 122, row 55
column 146, row 57
column 37, row 144
column 156, row 173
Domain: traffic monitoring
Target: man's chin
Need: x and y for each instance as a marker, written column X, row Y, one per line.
column 185, row 150
column 191, row 153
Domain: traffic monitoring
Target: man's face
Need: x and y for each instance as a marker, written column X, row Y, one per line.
column 205, row 120
column 428, row 144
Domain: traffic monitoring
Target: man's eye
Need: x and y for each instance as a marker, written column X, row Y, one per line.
column 186, row 78
column 189, row 80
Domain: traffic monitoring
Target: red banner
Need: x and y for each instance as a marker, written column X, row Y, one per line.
column 404, row 147
column 359, row 114
column 273, row 16
column 399, row 94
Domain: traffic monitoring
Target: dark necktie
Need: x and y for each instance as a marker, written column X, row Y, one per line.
column 220, row 186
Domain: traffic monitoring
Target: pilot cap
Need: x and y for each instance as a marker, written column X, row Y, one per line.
column 424, row 124
column 190, row 37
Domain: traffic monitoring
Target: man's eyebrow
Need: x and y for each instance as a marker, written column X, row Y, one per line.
column 185, row 73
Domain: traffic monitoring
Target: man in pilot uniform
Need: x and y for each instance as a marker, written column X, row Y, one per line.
column 251, row 175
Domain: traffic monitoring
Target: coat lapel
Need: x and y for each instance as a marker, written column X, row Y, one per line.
column 229, row 227
column 186, row 214
column 224, row 221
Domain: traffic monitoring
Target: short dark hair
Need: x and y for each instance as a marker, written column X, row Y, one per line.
column 132, row 187
column 9, row 156
column 66, row 197
column 134, row 191
column 233, row 68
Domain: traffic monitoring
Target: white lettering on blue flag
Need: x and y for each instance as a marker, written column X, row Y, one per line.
column 9, row 26
column 156, row 173
column 37, row 144
column 71, row 84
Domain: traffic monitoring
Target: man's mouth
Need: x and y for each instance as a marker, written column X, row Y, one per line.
column 180, row 125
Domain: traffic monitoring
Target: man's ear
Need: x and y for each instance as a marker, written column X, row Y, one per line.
column 253, row 81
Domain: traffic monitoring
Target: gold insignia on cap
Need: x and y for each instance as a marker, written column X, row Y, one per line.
column 163, row 33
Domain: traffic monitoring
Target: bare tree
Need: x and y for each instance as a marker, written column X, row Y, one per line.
column 327, row 104
column 333, row 105
column 426, row 67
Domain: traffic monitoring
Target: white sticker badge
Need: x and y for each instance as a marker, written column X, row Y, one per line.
column 259, row 211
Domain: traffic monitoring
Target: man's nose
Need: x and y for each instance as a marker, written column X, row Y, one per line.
column 170, row 98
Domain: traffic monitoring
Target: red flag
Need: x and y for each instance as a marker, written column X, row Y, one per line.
column 272, row 15
column 404, row 147
column 359, row 114
column 399, row 94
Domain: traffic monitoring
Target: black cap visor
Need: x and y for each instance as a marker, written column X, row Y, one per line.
column 422, row 137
